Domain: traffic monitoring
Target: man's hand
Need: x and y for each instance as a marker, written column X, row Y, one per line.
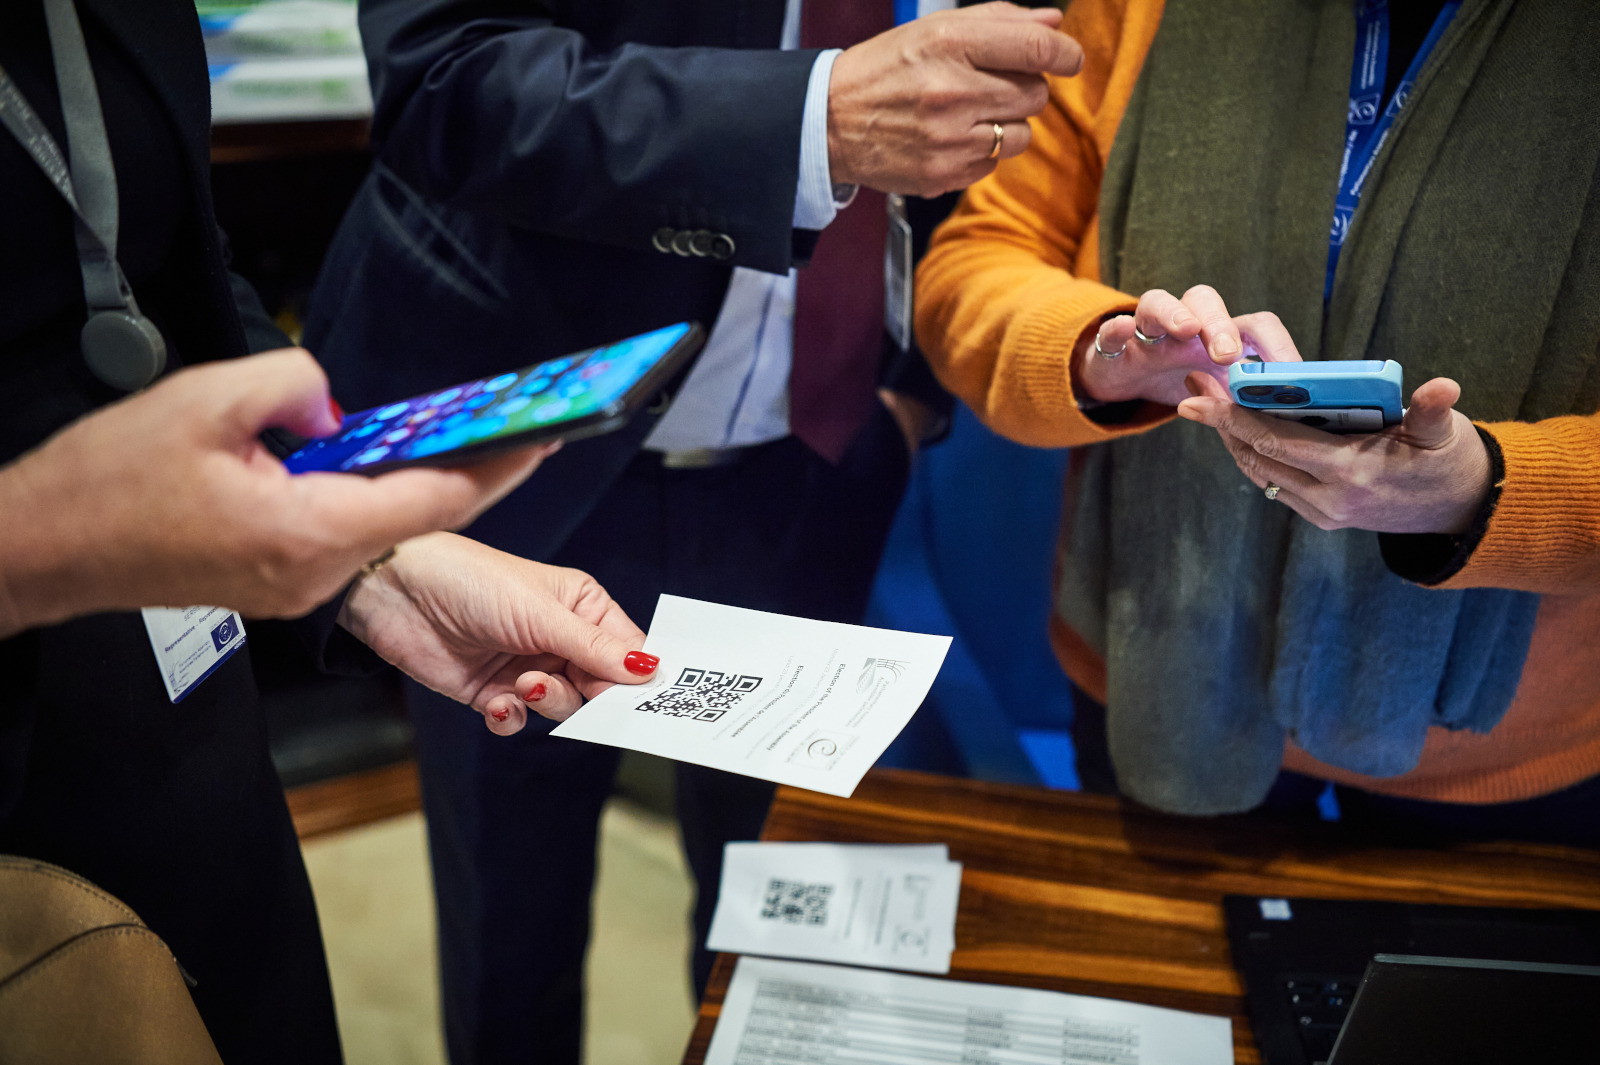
column 494, row 631
column 915, row 418
column 167, row 498
column 1429, row 474
column 913, row 110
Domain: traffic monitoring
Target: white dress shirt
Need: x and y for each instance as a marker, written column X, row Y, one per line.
column 738, row 392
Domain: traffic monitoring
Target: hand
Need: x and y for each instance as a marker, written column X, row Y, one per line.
column 494, row 631
column 1429, row 474
column 913, row 109
column 1196, row 333
column 915, row 418
column 167, row 498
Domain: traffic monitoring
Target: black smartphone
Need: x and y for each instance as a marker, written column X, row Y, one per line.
column 575, row 396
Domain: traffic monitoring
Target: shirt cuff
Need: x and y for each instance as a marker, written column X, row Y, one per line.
column 815, row 202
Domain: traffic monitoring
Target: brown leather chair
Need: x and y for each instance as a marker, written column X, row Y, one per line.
column 83, row 980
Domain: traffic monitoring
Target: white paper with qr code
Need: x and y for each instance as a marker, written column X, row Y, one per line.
column 790, row 1011
column 807, row 703
column 851, row 903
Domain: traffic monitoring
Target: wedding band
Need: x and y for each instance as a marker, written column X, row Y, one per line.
column 999, row 140
column 1138, row 334
column 1103, row 353
column 1272, row 490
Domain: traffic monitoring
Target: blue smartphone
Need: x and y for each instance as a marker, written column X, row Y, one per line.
column 575, row 396
column 1336, row 396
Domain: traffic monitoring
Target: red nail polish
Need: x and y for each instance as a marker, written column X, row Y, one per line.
column 641, row 664
column 535, row 693
column 500, row 715
column 335, row 409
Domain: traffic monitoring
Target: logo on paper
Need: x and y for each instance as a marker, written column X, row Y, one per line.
column 225, row 633
column 822, row 750
column 890, row 669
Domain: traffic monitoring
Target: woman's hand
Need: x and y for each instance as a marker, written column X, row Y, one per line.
column 1429, row 474
column 167, row 498
column 1195, row 333
column 497, row 632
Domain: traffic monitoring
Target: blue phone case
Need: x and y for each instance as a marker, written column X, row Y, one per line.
column 1338, row 396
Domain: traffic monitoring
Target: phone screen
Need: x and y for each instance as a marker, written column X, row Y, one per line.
column 543, row 396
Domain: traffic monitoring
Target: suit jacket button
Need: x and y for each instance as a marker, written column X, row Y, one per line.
column 663, row 239
column 680, row 242
column 700, row 243
column 722, row 246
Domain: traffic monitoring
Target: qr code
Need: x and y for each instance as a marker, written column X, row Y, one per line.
column 793, row 902
column 702, row 694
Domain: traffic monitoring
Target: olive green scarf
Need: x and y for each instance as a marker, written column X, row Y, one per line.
column 1226, row 621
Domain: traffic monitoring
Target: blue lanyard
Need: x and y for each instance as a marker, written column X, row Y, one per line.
column 910, row 10
column 1367, row 127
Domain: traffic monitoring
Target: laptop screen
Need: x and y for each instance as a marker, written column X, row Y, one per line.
column 1434, row 1011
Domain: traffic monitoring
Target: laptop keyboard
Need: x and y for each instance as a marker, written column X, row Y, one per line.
column 1319, row 1004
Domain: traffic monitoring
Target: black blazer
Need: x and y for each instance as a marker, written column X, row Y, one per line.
column 175, row 809
column 529, row 152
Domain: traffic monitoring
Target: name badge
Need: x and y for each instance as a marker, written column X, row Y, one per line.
column 897, row 275
column 191, row 643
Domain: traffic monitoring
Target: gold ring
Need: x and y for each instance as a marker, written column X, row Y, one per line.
column 999, row 140
column 1272, row 490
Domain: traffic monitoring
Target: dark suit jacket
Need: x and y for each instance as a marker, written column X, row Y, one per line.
column 175, row 809
column 528, row 154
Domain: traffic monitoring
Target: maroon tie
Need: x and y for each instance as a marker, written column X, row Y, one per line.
column 838, row 314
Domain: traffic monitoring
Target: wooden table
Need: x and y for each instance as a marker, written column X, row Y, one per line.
column 1090, row 895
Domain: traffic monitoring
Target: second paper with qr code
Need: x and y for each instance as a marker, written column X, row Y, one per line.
column 801, row 702
column 885, row 906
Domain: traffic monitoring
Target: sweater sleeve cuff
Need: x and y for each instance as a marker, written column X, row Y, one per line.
column 1038, row 349
column 1543, row 532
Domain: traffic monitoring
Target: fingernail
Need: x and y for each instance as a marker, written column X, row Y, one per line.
column 1188, row 382
column 535, row 693
column 641, row 664
column 336, row 410
column 1224, row 348
column 500, row 715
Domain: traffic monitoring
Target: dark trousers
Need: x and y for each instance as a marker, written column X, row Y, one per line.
column 512, row 821
column 1570, row 816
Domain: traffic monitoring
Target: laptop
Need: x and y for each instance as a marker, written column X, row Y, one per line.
column 1302, row 960
column 1461, row 1011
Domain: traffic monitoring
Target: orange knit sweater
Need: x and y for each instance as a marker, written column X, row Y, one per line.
column 1011, row 285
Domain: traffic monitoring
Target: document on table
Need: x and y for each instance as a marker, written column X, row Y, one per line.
column 861, row 904
column 778, row 1012
column 807, row 703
